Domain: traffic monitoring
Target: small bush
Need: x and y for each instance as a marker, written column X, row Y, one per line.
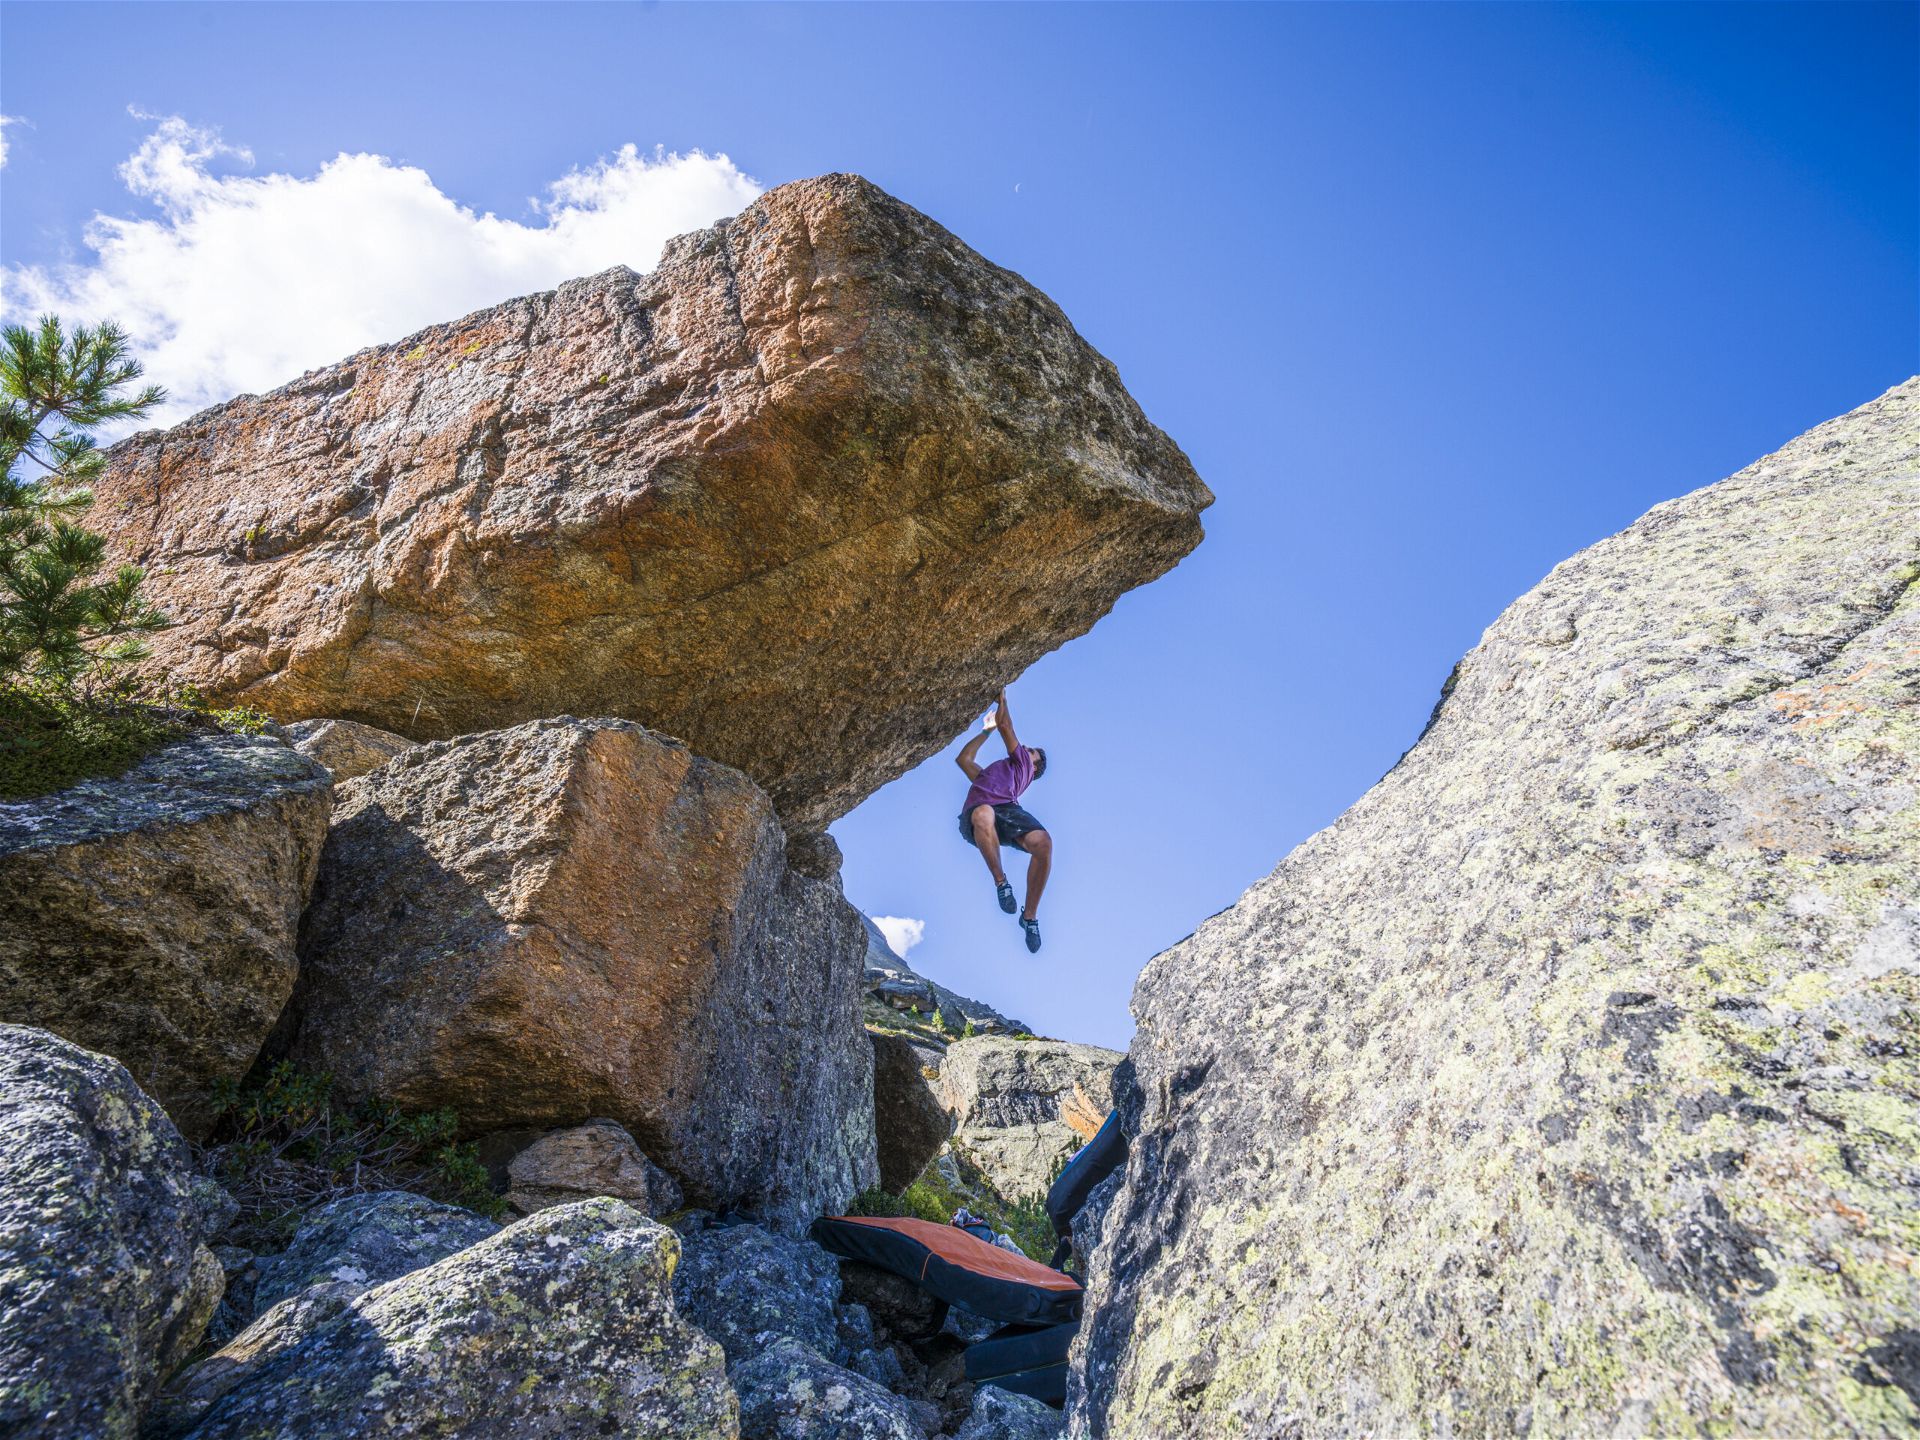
column 286, row 1145
column 931, row 1197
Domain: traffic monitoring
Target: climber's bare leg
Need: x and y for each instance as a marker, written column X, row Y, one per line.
column 1039, row 847
column 988, row 839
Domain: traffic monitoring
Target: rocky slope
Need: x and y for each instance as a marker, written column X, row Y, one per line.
column 803, row 496
column 578, row 919
column 892, row 984
column 1568, row 1083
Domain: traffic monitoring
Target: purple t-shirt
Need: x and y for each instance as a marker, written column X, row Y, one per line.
column 1001, row 782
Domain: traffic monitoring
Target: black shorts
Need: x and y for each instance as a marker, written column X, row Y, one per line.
column 1010, row 822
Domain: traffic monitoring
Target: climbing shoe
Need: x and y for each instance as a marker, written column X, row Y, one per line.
column 1004, row 893
column 1032, row 927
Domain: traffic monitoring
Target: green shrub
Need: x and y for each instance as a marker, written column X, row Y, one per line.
column 286, row 1145
column 932, row 1197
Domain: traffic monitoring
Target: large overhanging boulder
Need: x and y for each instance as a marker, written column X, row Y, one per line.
column 578, row 919
column 1569, row 1081
column 803, row 496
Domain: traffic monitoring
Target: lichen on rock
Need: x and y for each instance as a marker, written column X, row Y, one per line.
column 106, row 1281
column 789, row 1392
column 559, row 1326
column 1022, row 1107
column 1002, row 1415
column 367, row 1240
column 745, row 1286
column 1568, row 1081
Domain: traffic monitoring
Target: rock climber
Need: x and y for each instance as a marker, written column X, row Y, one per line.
column 992, row 816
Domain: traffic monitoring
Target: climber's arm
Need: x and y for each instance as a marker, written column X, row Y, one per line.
column 1003, row 722
column 965, row 758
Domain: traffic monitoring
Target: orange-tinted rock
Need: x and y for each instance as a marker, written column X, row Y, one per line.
column 803, row 496
column 575, row 919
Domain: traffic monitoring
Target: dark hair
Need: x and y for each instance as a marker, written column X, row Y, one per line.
column 1039, row 761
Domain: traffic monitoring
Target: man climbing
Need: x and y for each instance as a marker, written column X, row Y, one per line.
column 992, row 817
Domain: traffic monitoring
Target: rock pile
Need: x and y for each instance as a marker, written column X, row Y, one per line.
column 1567, row 1082
column 741, row 501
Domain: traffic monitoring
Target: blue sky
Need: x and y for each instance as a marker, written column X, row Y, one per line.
column 1433, row 296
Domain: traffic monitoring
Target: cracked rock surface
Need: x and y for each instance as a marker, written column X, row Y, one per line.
column 804, row 496
column 1570, row 1079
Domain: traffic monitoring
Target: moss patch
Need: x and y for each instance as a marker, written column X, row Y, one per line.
column 50, row 740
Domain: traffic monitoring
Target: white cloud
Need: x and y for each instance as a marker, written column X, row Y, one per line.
column 902, row 933
column 244, row 281
column 6, row 120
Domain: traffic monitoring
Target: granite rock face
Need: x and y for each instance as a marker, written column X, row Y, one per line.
column 152, row 916
column 745, row 1286
column 789, row 1392
column 910, row 1124
column 597, row 1158
column 748, row 499
column 1003, row 1415
column 346, row 749
column 106, row 1282
column 367, row 1240
column 1569, row 1080
column 1021, row 1107
column 577, row 919
column 561, row 1325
